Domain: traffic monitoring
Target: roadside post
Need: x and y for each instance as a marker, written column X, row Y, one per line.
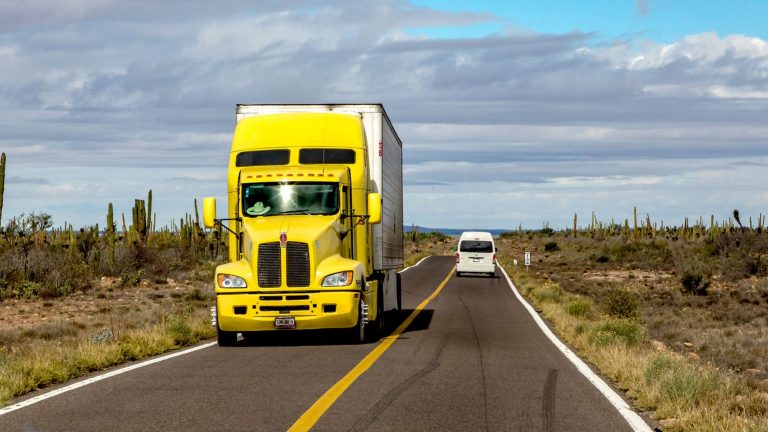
column 527, row 260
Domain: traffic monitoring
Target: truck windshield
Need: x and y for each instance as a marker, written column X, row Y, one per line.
column 277, row 198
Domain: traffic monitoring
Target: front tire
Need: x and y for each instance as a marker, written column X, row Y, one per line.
column 356, row 334
column 226, row 338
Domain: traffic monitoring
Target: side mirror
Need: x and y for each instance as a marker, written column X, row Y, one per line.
column 374, row 208
column 209, row 211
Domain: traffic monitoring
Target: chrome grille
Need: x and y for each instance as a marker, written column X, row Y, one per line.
column 269, row 265
column 297, row 264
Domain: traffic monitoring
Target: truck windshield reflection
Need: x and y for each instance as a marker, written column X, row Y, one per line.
column 280, row 198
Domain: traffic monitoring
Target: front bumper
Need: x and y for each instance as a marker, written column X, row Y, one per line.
column 246, row 312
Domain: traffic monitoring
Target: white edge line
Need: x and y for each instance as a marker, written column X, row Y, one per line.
column 412, row 266
column 634, row 420
column 83, row 383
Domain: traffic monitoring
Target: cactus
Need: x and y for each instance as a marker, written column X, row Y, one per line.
column 109, row 232
column 575, row 218
column 197, row 230
column 634, row 229
column 2, row 184
column 149, row 212
column 125, row 228
column 141, row 219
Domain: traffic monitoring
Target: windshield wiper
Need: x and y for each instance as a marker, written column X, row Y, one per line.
column 302, row 211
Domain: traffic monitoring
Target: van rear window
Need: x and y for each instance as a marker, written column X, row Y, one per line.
column 326, row 156
column 476, row 246
column 263, row 157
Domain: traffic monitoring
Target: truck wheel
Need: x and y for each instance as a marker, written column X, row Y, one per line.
column 375, row 329
column 399, row 294
column 226, row 338
column 357, row 333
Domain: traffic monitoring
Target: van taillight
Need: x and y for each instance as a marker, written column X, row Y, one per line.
column 494, row 258
column 457, row 257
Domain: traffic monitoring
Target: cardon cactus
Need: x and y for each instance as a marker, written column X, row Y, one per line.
column 2, row 184
column 109, row 232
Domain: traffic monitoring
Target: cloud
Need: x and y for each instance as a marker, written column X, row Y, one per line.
column 27, row 180
column 145, row 92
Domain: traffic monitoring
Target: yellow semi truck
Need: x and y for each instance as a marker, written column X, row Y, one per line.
column 315, row 220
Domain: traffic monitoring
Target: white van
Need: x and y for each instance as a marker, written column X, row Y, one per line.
column 476, row 253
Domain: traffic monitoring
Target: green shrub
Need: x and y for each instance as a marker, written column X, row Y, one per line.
column 179, row 330
column 131, row 278
column 580, row 307
column 685, row 385
column 620, row 303
column 611, row 332
column 28, row 289
column 694, row 283
column 551, row 246
column 547, row 293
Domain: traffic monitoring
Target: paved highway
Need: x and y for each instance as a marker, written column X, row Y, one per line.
column 472, row 360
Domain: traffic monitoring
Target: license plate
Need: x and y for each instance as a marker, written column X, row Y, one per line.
column 285, row 322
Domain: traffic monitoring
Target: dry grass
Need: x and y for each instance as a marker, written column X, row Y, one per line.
column 685, row 359
column 43, row 342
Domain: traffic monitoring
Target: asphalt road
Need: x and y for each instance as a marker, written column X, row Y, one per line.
column 473, row 360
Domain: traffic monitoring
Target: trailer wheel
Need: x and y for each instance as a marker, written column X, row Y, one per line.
column 226, row 338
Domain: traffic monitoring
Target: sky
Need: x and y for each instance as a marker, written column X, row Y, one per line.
column 511, row 112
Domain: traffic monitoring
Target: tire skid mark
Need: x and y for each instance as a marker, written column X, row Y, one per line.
column 482, row 366
column 548, row 401
column 368, row 418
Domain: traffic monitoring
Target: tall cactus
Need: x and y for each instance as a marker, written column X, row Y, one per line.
column 575, row 221
column 149, row 213
column 196, row 232
column 2, row 184
column 138, row 219
column 109, row 232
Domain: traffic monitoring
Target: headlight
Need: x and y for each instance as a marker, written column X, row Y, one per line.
column 231, row 281
column 338, row 279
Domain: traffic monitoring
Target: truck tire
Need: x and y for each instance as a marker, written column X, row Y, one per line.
column 356, row 335
column 226, row 338
column 399, row 294
column 375, row 329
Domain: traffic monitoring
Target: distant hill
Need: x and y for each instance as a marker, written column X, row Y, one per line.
column 455, row 231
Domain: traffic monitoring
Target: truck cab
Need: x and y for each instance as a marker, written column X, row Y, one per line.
column 301, row 209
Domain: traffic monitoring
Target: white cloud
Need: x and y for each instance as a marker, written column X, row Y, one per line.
column 549, row 124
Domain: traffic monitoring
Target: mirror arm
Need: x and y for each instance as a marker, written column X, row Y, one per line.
column 218, row 221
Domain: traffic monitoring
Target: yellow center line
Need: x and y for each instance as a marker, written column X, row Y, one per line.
column 313, row 414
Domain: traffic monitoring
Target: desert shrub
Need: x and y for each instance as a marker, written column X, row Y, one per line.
column 621, row 303
column 551, row 246
column 131, row 278
column 694, row 283
column 686, row 386
column 548, row 293
column 643, row 253
column 27, row 289
column 611, row 332
column 602, row 259
column 66, row 273
column 580, row 307
column 179, row 330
